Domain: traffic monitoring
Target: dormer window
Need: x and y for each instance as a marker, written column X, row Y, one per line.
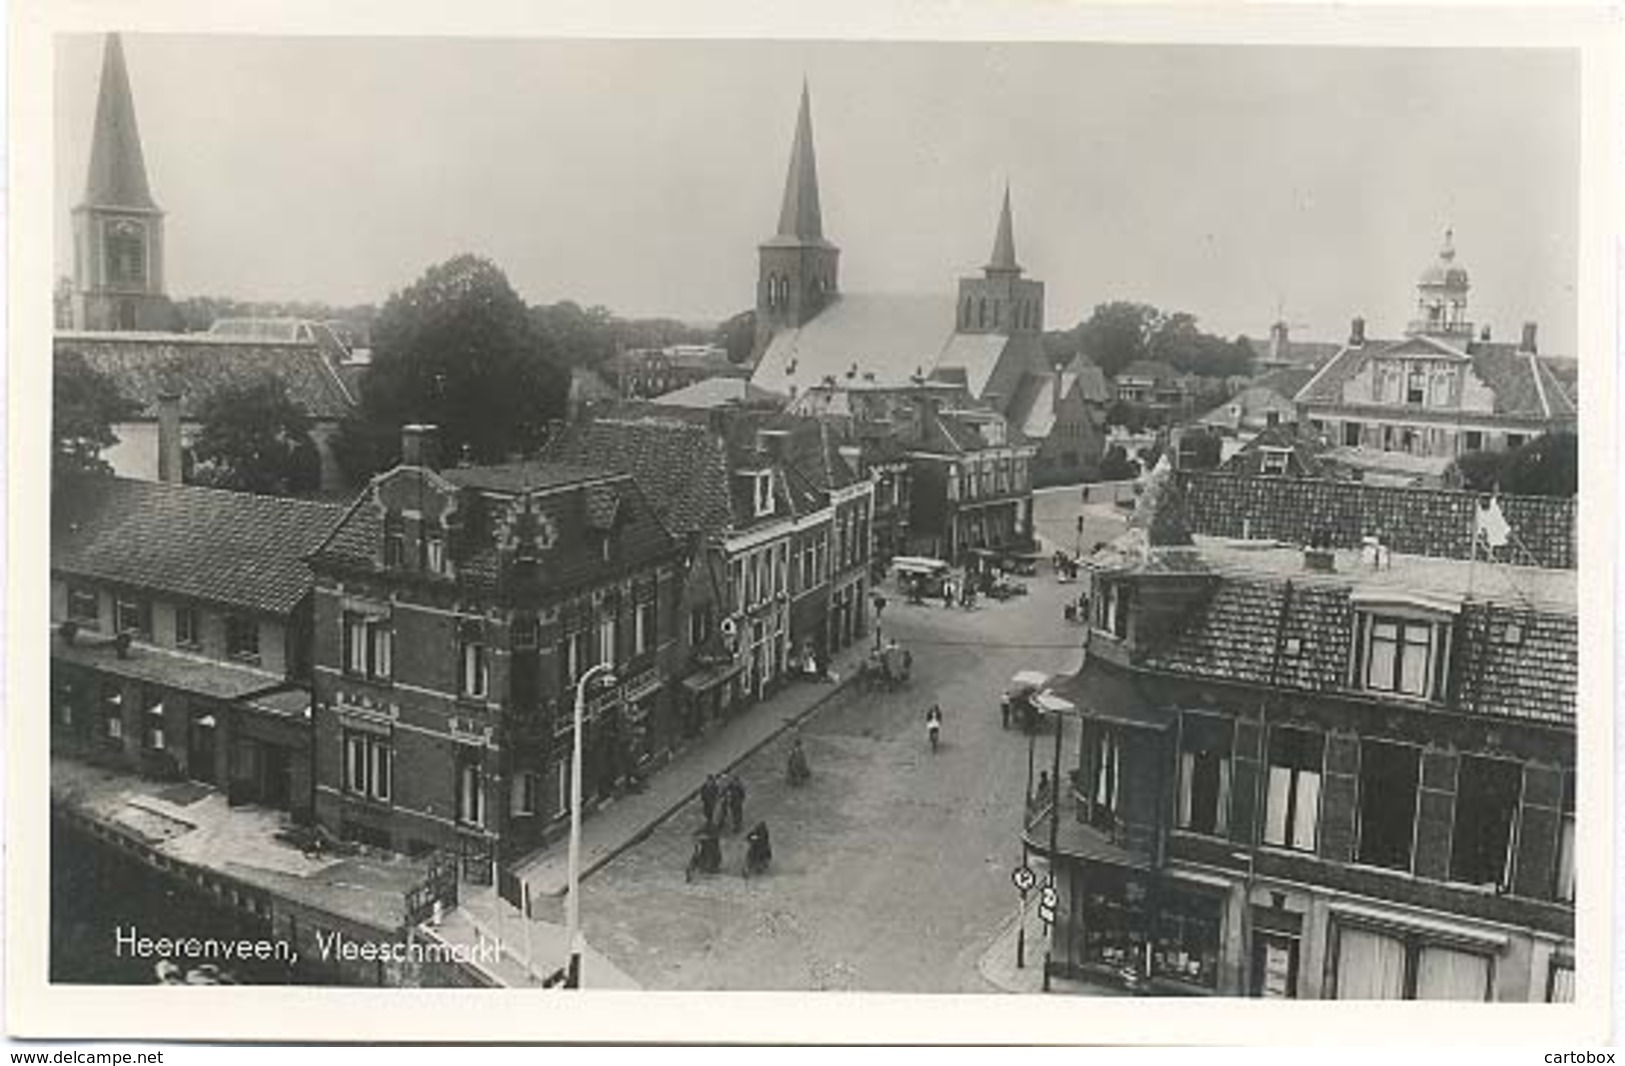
column 1273, row 462
column 1402, row 647
column 764, row 493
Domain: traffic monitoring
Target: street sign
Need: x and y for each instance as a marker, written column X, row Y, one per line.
column 1023, row 878
column 1046, row 904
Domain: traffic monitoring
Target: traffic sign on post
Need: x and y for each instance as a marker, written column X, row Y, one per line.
column 1047, row 900
column 1023, row 878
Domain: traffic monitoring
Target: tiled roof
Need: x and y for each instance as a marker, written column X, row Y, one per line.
column 229, row 548
column 1435, row 522
column 1091, row 380
column 715, row 392
column 1523, row 385
column 526, row 476
column 680, row 464
column 1233, row 636
column 142, row 366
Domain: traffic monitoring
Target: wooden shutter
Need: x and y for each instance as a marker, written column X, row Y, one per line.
column 1436, row 813
column 1539, row 818
column 1338, row 797
column 1244, row 780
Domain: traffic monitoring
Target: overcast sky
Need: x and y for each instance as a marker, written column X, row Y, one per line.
column 642, row 175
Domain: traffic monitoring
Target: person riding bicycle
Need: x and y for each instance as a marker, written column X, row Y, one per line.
column 933, row 724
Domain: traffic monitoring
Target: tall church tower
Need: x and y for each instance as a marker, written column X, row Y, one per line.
column 797, row 268
column 118, row 231
column 1001, row 300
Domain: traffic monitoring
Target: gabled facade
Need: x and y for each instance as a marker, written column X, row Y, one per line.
column 455, row 611
column 181, row 623
column 778, row 527
column 1318, row 776
column 971, row 484
column 1438, row 392
column 1065, row 416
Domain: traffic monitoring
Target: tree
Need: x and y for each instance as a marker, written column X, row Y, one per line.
column 738, row 335
column 458, row 348
column 1115, row 465
column 1549, row 465
column 255, row 438
column 1117, row 334
column 573, row 335
column 84, row 407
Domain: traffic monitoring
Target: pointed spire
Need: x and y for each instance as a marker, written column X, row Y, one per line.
column 800, row 216
column 1004, row 242
column 118, row 173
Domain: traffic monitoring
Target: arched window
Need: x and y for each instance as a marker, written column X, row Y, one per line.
column 964, row 316
column 981, row 311
column 996, row 304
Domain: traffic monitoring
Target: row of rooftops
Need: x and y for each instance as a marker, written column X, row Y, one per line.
column 1282, row 616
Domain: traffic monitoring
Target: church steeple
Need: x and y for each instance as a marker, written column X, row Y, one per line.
column 1003, row 260
column 118, row 172
column 118, row 230
column 800, row 216
column 1001, row 300
column 797, row 271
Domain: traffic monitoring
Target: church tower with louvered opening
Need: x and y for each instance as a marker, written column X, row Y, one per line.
column 118, row 230
column 797, row 268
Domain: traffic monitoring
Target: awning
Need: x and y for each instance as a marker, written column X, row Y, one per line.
column 707, row 679
column 1029, row 679
column 183, row 673
column 1050, row 703
column 1113, row 694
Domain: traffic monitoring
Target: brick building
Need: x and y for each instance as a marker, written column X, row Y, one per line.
column 1438, row 392
column 777, row 525
column 455, row 610
column 181, row 626
column 1317, row 776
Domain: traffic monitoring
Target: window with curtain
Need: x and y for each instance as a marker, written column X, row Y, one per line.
column 1204, row 773
column 1560, row 982
column 1105, row 761
column 1292, row 802
column 476, row 669
column 1564, row 888
column 1448, row 973
column 1370, row 965
column 1398, row 656
column 470, row 791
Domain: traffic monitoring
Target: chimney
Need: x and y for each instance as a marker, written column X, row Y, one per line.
column 169, row 437
column 1357, row 332
column 420, row 445
column 1278, row 341
column 1528, row 344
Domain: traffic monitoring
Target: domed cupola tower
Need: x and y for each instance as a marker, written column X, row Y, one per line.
column 1441, row 295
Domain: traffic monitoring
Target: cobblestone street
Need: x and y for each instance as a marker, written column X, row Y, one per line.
column 891, row 867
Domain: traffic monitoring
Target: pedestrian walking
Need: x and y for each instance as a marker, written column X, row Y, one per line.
column 1004, row 709
column 734, row 798
column 709, row 793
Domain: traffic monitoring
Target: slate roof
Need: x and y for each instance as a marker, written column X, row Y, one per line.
column 976, row 354
column 887, row 334
column 229, row 548
column 1524, row 385
column 1232, row 636
column 118, row 172
column 142, row 366
column 1307, row 354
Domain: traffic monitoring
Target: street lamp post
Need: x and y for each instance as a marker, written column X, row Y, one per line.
column 572, row 903
column 1054, row 831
